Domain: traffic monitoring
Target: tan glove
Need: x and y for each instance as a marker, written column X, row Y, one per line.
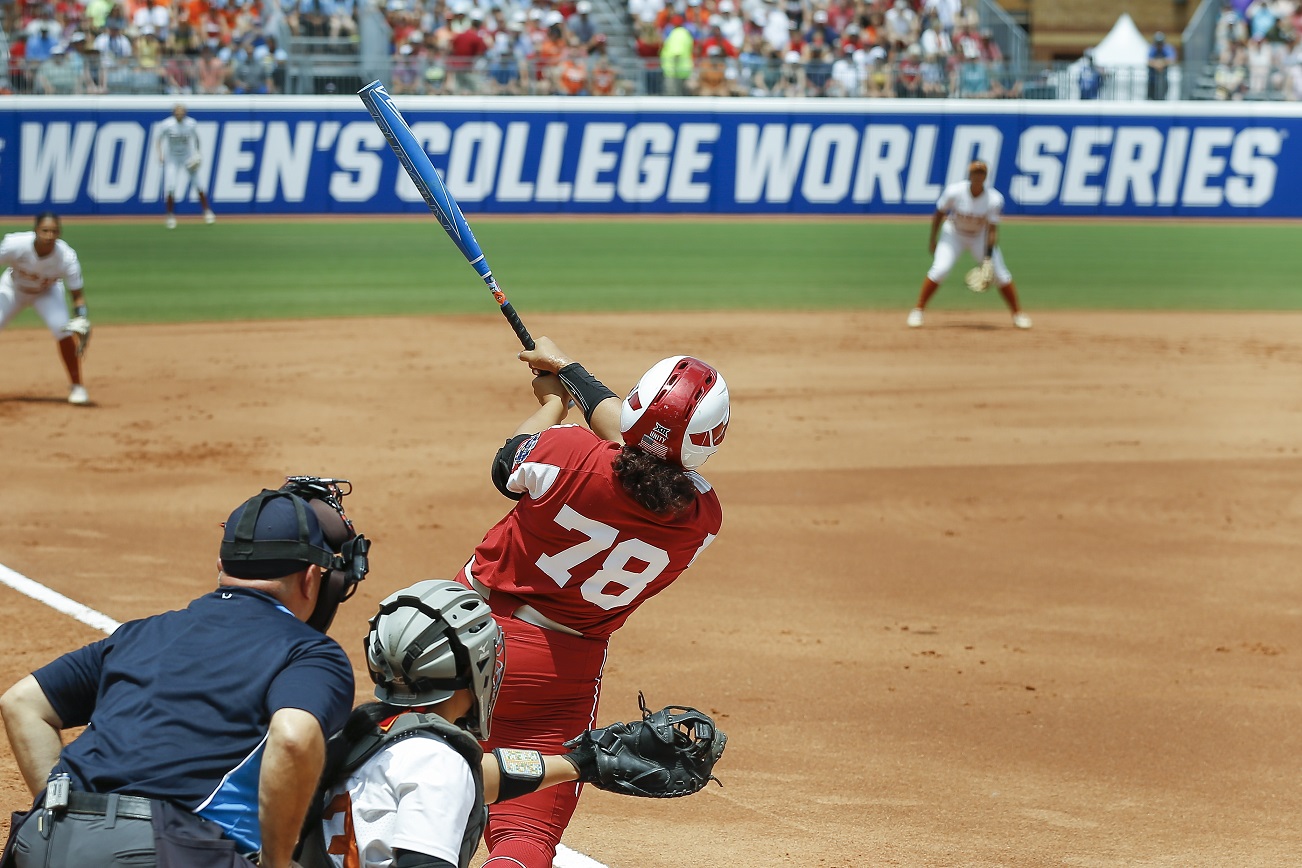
column 79, row 326
column 980, row 278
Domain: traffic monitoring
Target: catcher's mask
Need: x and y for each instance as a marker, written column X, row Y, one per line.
column 278, row 533
column 430, row 640
column 677, row 412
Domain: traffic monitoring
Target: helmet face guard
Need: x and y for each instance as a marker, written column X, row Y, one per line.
column 678, row 412
column 431, row 640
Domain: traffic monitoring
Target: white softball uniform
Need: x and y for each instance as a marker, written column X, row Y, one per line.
column 37, row 281
column 180, row 144
column 415, row 794
column 967, row 219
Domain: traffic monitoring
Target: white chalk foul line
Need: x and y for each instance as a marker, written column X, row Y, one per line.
column 57, row 601
column 565, row 857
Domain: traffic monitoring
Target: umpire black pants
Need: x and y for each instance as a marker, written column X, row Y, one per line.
column 85, row 839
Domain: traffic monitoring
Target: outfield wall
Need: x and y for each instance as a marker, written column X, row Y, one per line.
column 530, row 155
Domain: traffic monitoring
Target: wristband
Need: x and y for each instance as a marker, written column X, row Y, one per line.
column 521, row 772
column 585, row 388
column 79, row 310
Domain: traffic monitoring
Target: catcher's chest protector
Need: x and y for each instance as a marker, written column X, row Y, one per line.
column 408, row 725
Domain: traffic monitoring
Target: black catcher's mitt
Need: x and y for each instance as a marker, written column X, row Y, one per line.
column 664, row 755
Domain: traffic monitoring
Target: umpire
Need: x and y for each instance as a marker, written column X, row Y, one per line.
column 205, row 727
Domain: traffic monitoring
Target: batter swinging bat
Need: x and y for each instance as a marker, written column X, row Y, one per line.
column 417, row 163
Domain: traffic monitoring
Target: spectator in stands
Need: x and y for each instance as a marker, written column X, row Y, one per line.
column 792, row 80
column 436, row 70
column 820, row 25
column 908, row 73
column 844, row 81
column 730, row 25
column 572, row 72
column 936, row 40
column 548, row 56
column 935, row 81
column 581, row 25
column 43, row 36
column 1231, row 75
column 341, row 18
column 1261, row 18
column 468, row 46
column 271, row 60
column 676, row 58
column 946, row 12
column 902, row 24
column 1230, row 27
column 816, row 57
column 645, row 11
column 56, row 76
column 406, row 75
column 603, row 79
column 750, row 59
column 212, row 72
column 879, row 81
column 1160, row 57
column 714, row 39
column 712, row 74
column 768, row 79
column 155, row 14
column 1261, row 67
column 115, row 56
column 1090, row 80
column 973, row 80
column 777, row 28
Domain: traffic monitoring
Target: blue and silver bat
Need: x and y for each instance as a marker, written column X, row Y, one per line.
column 412, row 155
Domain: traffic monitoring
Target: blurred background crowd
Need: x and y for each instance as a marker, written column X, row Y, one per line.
column 813, row 48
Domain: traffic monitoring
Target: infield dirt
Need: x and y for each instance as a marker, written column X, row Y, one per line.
column 982, row 597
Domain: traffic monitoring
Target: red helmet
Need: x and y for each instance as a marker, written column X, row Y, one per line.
column 677, row 412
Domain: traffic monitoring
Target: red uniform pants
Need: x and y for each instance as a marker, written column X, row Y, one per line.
column 549, row 694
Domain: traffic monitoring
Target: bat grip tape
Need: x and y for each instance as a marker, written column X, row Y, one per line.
column 526, row 340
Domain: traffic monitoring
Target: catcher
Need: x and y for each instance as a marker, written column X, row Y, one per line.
column 406, row 782
column 41, row 267
column 970, row 213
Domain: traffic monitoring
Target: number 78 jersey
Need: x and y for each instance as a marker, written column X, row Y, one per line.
column 576, row 547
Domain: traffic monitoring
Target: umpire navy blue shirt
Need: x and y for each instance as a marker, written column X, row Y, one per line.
column 179, row 704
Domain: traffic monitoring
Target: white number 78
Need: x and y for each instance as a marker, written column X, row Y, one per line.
column 614, row 573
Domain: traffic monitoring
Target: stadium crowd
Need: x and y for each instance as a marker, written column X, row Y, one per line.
column 1258, row 50
column 868, row 48
column 140, row 46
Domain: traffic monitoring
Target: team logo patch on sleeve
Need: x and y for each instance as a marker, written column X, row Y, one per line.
column 522, row 454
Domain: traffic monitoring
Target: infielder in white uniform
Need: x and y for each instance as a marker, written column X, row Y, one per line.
column 970, row 212
column 178, row 149
column 41, row 267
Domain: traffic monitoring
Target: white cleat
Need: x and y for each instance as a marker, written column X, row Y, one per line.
column 77, row 395
column 170, row 222
column 209, row 217
column 915, row 318
column 1021, row 320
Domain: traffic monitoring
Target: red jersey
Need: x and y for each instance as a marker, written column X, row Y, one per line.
column 577, row 547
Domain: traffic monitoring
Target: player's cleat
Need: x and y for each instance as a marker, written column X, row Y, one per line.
column 209, row 217
column 915, row 318
column 170, row 222
column 77, row 395
column 1021, row 320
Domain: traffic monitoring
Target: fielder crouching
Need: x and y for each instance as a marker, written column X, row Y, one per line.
column 210, row 722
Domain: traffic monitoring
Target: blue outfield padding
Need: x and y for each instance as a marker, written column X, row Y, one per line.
column 531, row 155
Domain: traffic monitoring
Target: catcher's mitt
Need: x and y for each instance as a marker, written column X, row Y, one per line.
column 980, row 278
column 80, row 327
column 664, row 755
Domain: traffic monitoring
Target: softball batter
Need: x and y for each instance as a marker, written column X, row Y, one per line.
column 970, row 212
column 178, row 150
column 607, row 518
column 41, row 266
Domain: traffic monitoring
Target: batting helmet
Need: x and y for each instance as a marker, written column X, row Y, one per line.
column 677, row 412
column 431, row 640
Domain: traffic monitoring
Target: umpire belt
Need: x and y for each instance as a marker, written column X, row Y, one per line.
column 110, row 805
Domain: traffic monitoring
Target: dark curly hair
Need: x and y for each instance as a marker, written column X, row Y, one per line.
column 658, row 486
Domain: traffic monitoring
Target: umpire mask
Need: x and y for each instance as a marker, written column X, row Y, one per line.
column 348, row 564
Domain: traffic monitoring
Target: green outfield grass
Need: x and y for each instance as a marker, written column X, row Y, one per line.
column 138, row 271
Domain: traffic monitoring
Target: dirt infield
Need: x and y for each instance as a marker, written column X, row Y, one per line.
column 982, row 597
